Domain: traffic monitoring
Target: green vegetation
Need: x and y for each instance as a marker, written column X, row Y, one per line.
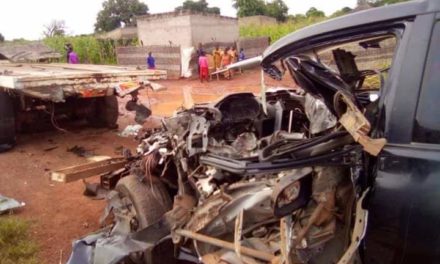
column 198, row 6
column 275, row 8
column 115, row 12
column 89, row 48
column 293, row 22
column 276, row 32
column 16, row 247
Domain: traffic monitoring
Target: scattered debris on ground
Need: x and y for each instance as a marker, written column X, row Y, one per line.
column 81, row 151
column 9, row 204
column 130, row 131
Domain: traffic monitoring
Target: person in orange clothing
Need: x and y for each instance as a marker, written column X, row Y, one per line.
column 204, row 67
column 226, row 60
column 234, row 55
column 217, row 55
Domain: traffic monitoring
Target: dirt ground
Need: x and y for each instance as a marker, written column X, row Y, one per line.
column 59, row 213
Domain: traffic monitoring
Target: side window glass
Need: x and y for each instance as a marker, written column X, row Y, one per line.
column 427, row 122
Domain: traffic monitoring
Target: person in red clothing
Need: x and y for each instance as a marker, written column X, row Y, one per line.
column 203, row 66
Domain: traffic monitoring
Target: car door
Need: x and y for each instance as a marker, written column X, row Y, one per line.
column 404, row 205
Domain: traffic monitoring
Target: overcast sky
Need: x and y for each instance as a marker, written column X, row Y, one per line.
column 26, row 18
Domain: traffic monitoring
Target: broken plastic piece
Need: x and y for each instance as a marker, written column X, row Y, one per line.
column 7, row 204
column 358, row 126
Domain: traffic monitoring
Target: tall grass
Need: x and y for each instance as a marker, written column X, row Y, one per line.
column 16, row 247
column 278, row 31
column 89, row 48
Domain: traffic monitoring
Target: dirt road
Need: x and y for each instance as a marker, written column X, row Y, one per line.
column 59, row 212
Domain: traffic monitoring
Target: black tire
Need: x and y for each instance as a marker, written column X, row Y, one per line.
column 104, row 112
column 150, row 200
column 7, row 122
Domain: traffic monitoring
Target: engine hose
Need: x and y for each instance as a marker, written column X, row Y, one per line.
column 284, row 147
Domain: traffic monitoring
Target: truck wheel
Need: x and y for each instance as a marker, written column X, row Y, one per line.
column 104, row 112
column 7, row 122
column 146, row 202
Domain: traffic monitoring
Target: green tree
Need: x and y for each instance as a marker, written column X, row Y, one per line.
column 313, row 12
column 115, row 12
column 198, row 6
column 55, row 28
column 342, row 12
column 249, row 7
column 2, row 38
column 277, row 9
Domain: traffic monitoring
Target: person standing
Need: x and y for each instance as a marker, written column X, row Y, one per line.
column 217, row 55
column 204, row 67
column 241, row 56
column 226, row 60
column 199, row 52
column 71, row 57
column 233, row 54
column 151, row 62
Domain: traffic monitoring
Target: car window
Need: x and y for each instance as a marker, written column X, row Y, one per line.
column 427, row 123
column 365, row 58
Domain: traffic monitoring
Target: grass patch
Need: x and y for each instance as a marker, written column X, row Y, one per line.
column 16, row 246
column 278, row 31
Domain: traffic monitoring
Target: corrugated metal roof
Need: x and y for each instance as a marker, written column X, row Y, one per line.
column 29, row 52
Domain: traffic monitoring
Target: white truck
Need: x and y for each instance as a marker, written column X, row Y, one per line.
column 31, row 93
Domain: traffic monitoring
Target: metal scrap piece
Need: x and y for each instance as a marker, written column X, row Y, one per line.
column 286, row 236
column 319, row 115
column 238, row 233
column 359, row 230
column 7, row 204
column 225, row 244
column 198, row 129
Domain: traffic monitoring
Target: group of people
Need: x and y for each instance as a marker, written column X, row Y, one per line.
column 220, row 59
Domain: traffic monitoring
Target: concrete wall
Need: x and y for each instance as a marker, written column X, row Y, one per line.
column 253, row 46
column 186, row 29
column 213, row 28
column 256, row 20
column 120, row 33
column 167, row 58
column 161, row 29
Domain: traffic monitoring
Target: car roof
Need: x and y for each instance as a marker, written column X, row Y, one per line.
column 373, row 15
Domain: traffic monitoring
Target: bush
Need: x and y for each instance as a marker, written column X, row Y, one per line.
column 16, row 247
column 89, row 48
column 278, row 31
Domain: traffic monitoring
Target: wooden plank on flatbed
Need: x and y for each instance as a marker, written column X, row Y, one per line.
column 83, row 171
column 21, row 76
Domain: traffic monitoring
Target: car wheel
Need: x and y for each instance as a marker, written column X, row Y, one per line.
column 146, row 202
column 7, row 122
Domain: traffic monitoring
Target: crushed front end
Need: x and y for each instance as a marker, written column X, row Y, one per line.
column 246, row 180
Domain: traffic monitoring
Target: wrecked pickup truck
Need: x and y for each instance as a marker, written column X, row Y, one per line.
column 32, row 93
column 343, row 170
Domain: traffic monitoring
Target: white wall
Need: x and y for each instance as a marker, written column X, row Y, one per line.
column 160, row 29
column 209, row 28
column 186, row 30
